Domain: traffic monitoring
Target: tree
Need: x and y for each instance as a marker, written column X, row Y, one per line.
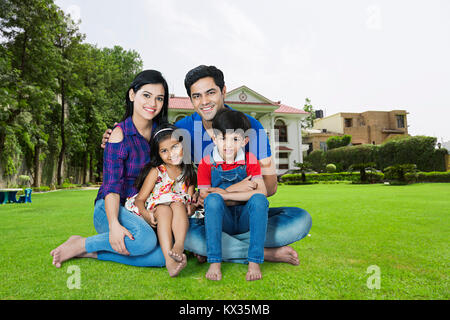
column 338, row 141
column 308, row 122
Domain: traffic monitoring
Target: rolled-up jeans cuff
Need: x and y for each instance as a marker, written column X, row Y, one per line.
column 214, row 260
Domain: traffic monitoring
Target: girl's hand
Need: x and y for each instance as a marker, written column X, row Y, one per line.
column 117, row 234
column 191, row 209
column 149, row 216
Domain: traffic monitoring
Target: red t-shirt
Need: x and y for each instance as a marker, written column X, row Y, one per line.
column 204, row 169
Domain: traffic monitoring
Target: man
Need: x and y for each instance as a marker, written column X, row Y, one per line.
column 206, row 88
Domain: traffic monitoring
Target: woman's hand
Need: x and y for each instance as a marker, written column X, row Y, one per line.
column 117, row 234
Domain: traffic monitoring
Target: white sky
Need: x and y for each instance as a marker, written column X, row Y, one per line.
column 346, row 56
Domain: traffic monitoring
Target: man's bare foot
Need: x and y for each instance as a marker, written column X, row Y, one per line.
column 177, row 252
column 254, row 272
column 174, row 268
column 200, row 259
column 214, row 272
column 73, row 247
column 281, row 254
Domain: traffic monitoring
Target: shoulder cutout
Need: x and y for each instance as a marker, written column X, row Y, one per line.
column 116, row 135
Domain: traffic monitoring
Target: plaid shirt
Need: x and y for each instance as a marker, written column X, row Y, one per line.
column 123, row 161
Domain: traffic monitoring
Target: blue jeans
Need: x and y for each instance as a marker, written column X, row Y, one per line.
column 235, row 220
column 285, row 225
column 144, row 249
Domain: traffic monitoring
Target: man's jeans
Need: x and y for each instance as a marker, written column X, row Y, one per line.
column 285, row 225
column 235, row 220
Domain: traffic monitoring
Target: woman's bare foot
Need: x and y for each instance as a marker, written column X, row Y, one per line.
column 73, row 247
column 177, row 252
column 174, row 268
column 281, row 254
column 254, row 272
column 214, row 272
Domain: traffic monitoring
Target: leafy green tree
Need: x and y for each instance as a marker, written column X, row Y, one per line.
column 308, row 122
column 338, row 141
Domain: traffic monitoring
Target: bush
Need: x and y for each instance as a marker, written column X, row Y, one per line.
column 396, row 173
column 338, row 141
column 317, row 160
column 434, row 176
column 41, row 189
column 331, row 168
column 344, row 157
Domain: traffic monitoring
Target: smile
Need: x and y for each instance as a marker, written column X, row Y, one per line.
column 152, row 110
column 206, row 109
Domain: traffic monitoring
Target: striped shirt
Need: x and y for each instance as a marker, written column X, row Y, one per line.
column 122, row 162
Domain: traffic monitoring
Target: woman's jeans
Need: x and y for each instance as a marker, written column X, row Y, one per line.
column 235, row 220
column 285, row 225
column 144, row 249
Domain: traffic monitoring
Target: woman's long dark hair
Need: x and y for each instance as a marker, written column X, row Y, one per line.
column 189, row 175
column 143, row 78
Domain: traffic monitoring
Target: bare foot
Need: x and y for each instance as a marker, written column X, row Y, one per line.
column 254, row 272
column 281, row 254
column 73, row 247
column 214, row 272
column 174, row 268
column 200, row 259
column 177, row 252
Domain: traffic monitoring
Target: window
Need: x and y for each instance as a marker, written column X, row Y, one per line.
column 281, row 128
column 283, row 155
column 400, row 121
column 348, row 122
column 283, row 166
column 323, row 146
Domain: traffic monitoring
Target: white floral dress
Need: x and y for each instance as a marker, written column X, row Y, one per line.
column 165, row 191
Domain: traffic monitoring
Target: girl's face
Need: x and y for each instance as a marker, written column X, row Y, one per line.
column 171, row 151
column 148, row 100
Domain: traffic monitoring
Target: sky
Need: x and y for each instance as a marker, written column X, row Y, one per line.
column 345, row 56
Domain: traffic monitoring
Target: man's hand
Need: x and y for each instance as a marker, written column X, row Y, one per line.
column 106, row 135
column 117, row 234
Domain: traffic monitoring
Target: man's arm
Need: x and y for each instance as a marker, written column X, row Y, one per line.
column 269, row 175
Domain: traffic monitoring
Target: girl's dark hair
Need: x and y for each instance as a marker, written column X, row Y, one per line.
column 143, row 78
column 227, row 119
column 189, row 175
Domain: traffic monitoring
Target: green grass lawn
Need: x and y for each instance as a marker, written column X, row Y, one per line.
column 403, row 230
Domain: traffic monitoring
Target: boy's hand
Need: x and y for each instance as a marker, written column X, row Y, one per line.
column 245, row 185
column 106, row 135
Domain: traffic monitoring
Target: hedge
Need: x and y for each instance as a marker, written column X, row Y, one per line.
column 435, row 176
column 341, row 176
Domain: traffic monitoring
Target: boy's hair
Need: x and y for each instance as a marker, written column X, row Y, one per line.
column 201, row 72
column 230, row 120
column 161, row 133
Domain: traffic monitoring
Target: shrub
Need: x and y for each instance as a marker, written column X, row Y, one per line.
column 397, row 172
column 344, row 157
column 338, row 141
column 434, row 176
column 331, row 168
column 317, row 160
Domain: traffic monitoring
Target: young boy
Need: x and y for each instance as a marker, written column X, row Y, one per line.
column 233, row 212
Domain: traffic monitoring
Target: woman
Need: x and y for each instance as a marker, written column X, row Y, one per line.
column 123, row 236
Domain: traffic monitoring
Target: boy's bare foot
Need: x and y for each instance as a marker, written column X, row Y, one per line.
column 254, row 272
column 214, row 272
column 281, row 254
column 177, row 252
column 174, row 268
column 200, row 259
column 73, row 247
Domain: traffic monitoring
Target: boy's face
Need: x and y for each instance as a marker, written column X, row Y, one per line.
column 229, row 144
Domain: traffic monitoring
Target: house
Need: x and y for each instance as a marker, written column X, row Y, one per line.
column 281, row 122
column 370, row 127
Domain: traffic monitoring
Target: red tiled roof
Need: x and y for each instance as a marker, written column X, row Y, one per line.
column 284, row 148
column 185, row 104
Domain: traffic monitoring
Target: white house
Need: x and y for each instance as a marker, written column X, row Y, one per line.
column 282, row 123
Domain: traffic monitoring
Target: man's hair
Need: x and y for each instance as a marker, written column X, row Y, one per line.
column 201, row 72
column 230, row 120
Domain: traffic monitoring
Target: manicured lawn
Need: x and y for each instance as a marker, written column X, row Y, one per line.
column 403, row 230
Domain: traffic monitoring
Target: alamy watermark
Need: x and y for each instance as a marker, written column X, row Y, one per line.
column 374, row 280
column 74, row 281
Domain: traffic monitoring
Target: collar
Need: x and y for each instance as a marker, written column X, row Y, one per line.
column 239, row 159
column 197, row 117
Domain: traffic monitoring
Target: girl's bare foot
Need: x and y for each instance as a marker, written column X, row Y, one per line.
column 177, row 252
column 174, row 268
column 254, row 272
column 214, row 272
column 281, row 254
column 73, row 247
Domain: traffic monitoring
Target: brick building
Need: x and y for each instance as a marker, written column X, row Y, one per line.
column 370, row 127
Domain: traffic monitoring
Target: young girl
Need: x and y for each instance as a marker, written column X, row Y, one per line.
column 166, row 186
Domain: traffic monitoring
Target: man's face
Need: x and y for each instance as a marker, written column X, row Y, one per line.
column 229, row 144
column 207, row 98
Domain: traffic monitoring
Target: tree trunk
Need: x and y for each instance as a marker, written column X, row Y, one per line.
column 37, row 167
column 59, row 177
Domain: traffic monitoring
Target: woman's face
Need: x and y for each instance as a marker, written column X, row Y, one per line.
column 148, row 100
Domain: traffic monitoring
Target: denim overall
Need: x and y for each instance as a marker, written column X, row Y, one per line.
column 251, row 216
